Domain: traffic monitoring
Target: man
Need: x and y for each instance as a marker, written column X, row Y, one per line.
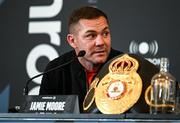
column 88, row 30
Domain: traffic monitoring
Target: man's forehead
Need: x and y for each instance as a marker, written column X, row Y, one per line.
column 90, row 25
column 94, row 25
column 100, row 21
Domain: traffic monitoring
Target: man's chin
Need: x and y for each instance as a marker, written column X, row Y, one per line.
column 100, row 61
column 100, row 58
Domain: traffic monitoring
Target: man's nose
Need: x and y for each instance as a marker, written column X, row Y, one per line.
column 99, row 40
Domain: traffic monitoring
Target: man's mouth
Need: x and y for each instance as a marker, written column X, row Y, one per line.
column 101, row 51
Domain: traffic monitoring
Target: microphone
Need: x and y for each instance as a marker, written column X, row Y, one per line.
column 26, row 88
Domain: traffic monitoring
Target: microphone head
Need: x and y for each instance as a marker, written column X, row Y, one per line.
column 81, row 53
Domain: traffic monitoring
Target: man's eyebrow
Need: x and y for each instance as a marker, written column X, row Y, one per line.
column 92, row 31
column 106, row 28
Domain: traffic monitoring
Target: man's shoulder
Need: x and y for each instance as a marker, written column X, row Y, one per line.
column 114, row 53
column 62, row 59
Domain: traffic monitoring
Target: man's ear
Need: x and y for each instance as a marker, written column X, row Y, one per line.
column 71, row 40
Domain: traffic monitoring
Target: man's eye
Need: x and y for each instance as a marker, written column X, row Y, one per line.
column 90, row 36
column 105, row 34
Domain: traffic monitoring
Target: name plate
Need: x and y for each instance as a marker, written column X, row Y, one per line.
column 50, row 104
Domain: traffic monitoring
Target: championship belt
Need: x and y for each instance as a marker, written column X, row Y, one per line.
column 118, row 90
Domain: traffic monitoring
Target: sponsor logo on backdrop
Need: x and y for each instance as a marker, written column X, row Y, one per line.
column 149, row 47
column 52, row 29
column 144, row 47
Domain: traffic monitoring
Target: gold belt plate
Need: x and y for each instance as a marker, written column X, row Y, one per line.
column 119, row 89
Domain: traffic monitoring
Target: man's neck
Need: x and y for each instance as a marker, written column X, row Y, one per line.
column 89, row 66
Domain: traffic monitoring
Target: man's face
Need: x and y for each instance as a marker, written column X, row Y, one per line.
column 93, row 36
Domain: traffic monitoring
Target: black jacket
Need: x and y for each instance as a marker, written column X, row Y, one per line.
column 69, row 79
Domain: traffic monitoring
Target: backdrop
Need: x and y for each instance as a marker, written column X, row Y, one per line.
column 33, row 32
